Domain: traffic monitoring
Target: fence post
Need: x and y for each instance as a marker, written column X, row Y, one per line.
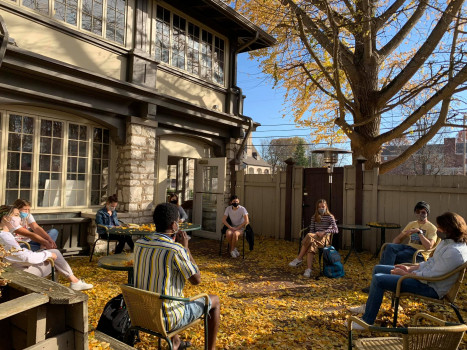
column 359, row 201
column 288, row 199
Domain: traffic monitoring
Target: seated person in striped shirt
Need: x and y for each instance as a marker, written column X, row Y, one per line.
column 322, row 225
column 163, row 263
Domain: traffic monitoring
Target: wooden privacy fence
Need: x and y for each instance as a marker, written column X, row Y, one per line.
column 384, row 198
column 263, row 195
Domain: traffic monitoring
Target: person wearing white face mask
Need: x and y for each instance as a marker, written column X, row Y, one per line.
column 107, row 216
column 322, row 225
column 421, row 234
column 33, row 262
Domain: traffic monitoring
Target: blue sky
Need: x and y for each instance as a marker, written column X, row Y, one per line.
column 263, row 103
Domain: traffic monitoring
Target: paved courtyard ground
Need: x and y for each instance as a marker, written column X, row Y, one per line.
column 265, row 303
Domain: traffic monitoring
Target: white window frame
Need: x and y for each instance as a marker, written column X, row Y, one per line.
column 79, row 16
column 202, row 27
column 37, row 114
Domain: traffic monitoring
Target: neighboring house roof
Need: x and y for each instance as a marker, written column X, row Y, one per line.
column 248, row 160
column 229, row 22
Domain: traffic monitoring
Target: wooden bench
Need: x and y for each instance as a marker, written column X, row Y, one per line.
column 37, row 313
column 73, row 236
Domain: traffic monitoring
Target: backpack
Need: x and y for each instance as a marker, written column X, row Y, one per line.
column 115, row 321
column 332, row 266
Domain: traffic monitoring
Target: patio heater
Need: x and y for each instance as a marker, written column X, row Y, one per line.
column 330, row 158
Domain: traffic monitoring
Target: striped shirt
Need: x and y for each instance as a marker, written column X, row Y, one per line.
column 327, row 224
column 162, row 266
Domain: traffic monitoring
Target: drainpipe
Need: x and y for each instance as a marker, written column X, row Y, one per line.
column 4, row 39
column 238, row 91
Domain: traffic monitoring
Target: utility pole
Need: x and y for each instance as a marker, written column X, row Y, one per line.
column 463, row 158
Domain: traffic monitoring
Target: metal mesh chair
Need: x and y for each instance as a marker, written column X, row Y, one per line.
column 105, row 237
column 145, row 310
column 443, row 336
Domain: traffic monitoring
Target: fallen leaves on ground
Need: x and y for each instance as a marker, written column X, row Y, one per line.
column 265, row 304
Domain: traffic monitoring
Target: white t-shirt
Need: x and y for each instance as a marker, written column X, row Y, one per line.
column 236, row 216
column 21, row 256
column 25, row 224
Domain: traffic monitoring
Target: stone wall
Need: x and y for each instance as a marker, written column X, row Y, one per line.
column 135, row 173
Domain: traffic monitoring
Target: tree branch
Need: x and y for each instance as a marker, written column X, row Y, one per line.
column 379, row 22
column 386, row 166
column 403, row 32
column 440, row 95
column 422, row 54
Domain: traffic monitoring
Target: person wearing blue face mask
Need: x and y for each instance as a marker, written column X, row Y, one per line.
column 30, row 231
column 107, row 216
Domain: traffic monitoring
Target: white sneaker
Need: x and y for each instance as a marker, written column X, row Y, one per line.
column 236, row 252
column 295, row 262
column 307, row 273
column 356, row 327
column 233, row 254
column 358, row 309
column 80, row 285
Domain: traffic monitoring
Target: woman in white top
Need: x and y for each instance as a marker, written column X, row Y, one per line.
column 239, row 220
column 29, row 261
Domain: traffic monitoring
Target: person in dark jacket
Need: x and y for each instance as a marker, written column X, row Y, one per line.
column 107, row 216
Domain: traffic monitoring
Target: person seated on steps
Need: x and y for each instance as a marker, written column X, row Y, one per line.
column 321, row 226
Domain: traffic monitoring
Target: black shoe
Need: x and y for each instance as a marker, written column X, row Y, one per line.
column 366, row 290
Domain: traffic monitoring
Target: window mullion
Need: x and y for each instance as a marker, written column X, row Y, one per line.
column 87, row 194
column 35, row 162
column 65, row 163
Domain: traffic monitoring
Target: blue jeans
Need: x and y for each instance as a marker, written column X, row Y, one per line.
column 53, row 233
column 383, row 280
column 395, row 253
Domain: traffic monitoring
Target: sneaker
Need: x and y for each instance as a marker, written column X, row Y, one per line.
column 236, row 252
column 295, row 262
column 357, row 327
column 358, row 309
column 81, row 285
column 366, row 290
column 233, row 254
column 307, row 273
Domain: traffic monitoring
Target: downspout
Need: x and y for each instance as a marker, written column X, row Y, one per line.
column 236, row 161
column 4, row 39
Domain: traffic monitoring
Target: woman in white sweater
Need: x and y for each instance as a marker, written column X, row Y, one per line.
column 29, row 261
column 449, row 254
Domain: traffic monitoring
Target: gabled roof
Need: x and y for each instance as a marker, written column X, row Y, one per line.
column 225, row 20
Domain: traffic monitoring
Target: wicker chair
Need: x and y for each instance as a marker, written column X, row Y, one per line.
column 145, row 310
column 448, row 299
column 50, row 260
column 443, row 336
column 414, row 257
